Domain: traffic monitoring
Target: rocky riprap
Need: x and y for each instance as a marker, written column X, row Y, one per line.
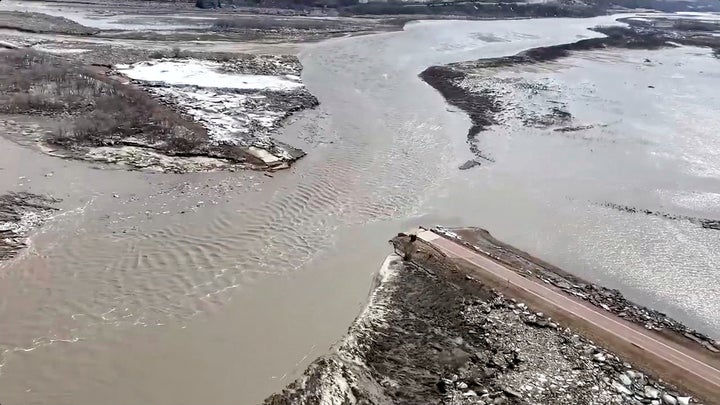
column 20, row 214
column 432, row 334
column 608, row 299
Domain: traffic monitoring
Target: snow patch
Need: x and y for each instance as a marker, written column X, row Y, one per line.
column 205, row 74
column 59, row 51
column 235, row 108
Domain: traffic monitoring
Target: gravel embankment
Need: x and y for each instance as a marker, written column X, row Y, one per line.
column 431, row 334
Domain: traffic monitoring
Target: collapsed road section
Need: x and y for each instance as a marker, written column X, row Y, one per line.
column 453, row 321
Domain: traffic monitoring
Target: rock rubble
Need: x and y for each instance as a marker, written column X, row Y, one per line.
column 608, row 299
column 430, row 334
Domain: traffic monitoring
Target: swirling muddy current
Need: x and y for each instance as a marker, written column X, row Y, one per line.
column 222, row 287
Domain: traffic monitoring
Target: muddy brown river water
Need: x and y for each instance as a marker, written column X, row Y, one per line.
column 220, row 288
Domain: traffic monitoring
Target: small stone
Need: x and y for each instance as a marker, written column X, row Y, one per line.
column 469, row 165
column 621, row 388
column 470, row 393
column 116, row 196
column 512, row 393
column 668, row 399
column 683, row 400
column 461, row 385
column 599, row 357
column 625, row 380
column 542, row 323
column 711, row 347
column 499, row 361
column 651, row 392
column 49, row 174
column 480, row 357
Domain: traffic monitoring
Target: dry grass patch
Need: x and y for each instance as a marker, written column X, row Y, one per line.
column 94, row 110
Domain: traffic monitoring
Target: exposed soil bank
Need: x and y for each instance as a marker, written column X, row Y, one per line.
column 432, row 333
column 20, row 214
column 42, row 23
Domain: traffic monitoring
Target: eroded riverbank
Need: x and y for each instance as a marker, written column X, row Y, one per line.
column 483, row 90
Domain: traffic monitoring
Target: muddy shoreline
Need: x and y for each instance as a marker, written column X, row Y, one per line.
column 432, row 333
column 484, row 105
column 21, row 214
column 494, row 100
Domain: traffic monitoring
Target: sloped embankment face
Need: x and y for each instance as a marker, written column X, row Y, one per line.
column 433, row 334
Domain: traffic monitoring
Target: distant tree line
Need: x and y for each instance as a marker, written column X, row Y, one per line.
column 515, row 8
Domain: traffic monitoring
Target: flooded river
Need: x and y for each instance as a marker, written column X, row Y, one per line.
column 220, row 288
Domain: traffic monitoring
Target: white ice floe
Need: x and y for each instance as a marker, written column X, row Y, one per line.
column 265, row 156
column 207, row 74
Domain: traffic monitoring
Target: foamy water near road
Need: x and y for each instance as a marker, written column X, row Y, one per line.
column 221, row 287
